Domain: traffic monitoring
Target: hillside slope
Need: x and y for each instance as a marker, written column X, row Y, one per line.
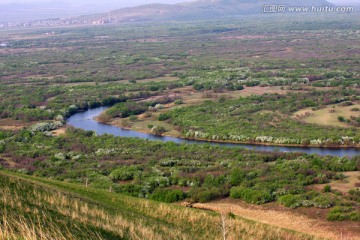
column 36, row 208
column 199, row 9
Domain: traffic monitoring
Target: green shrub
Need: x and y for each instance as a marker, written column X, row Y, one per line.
column 343, row 213
column 164, row 116
column 128, row 189
column 323, row 201
column 237, row 176
column 2, row 148
column 251, row 195
column 341, row 119
column 354, row 195
column 126, row 109
column 327, row 188
column 167, row 195
column 292, row 201
column 208, row 194
column 178, row 102
column 123, row 173
column 133, row 118
column 100, row 182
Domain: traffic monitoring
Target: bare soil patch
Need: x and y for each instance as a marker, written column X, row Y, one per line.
column 327, row 116
column 342, row 185
column 10, row 124
column 59, row 131
column 284, row 218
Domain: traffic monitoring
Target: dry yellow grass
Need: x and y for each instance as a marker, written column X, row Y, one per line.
column 59, row 132
column 286, row 220
column 17, row 227
column 342, row 185
column 10, row 124
column 327, row 116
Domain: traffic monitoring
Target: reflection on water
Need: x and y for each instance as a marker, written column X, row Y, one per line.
column 85, row 120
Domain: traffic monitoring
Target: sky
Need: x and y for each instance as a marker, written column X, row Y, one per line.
column 126, row 2
column 118, row 2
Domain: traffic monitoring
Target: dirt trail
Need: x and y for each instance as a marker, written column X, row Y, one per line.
column 284, row 219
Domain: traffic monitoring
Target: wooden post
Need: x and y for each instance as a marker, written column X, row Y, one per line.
column 223, row 225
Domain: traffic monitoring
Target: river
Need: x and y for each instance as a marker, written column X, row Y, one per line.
column 85, row 120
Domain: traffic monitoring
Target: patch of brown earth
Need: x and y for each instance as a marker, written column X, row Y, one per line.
column 296, row 220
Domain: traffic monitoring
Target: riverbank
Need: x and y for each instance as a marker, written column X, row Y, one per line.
column 86, row 121
column 178, row 135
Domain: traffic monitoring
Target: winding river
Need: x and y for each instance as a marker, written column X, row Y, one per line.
column 85, row 120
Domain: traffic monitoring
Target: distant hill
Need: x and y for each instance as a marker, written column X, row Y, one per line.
column 200, row 9
column 19, row 11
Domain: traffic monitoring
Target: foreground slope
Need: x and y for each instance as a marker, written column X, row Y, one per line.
column 36, row 208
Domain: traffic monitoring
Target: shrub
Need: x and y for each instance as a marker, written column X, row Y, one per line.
column 323, row 201
column 167, row 195
column 207, row 194
column 346, row 103
column 133, row 118
column 354, row 195
column 178, row 102
column 341, row 119
column 327, row 188
column 251, row 195
column 128, row 189
column 2, row 148
column 158, row 130
column 100, row 182
column 292, row 201
column 126, row 109
column 237, row 176
column 164, row 116
column 343, row 213
column 123, row 173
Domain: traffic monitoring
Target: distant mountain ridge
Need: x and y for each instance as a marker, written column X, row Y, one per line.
column 182, row 11
column 201, row 9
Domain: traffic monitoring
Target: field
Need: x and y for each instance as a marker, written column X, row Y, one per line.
column 351, row 181
column 329, row 116
column 189, row 97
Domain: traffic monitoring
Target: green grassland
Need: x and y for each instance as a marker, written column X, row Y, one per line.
column 266, row 119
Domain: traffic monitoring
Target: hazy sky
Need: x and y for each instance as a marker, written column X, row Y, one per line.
column 119, row 2
column 131, row 3
column 126, row 2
